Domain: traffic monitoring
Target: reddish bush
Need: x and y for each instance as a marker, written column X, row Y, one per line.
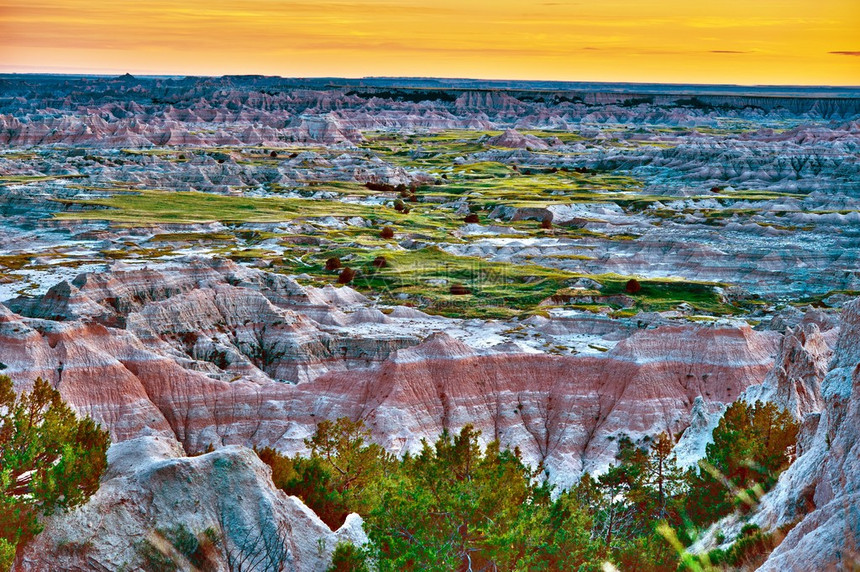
column 633, row 286
column 459, row 290
column 382, row 187
column 346, row 276
column 471, row 218
column 716, row 189
column 380, row 262
column 332, row 263
column 398, row 205
column 546, row 223
column 413, row 198
column 387, row 233
column 273, row 154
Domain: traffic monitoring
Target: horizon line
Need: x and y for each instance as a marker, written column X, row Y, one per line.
column 150, row 75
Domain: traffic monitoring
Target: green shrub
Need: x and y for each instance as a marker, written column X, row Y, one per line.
column 200, row 550
column 183, row 540
column 748, row 552
column 153, row 559
column 7, row 554
column 346, row 276
column 456, row 505
column 348, row 558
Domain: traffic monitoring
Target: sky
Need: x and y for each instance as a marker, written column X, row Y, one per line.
column 796, row 42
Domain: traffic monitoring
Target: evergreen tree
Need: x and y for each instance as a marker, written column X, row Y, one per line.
column 50, row 460
column 456, row 507
column 338, row 476
column 749, row 451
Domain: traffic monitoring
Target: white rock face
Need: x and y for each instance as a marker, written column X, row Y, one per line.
column 804, row 357
column 692, row 445
column 150, row 485
column 821, row 490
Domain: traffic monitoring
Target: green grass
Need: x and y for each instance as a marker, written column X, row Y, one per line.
column 15, row 261
column 192, row 207
column 660, row 295
column 490, row 183
column 818, row 299
column 152, row 207
column 755, row 195
column 137, row 253
column 498, row 290
column 538, row 189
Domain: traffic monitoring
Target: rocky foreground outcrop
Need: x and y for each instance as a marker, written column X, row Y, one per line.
column 151, row 488
column 821, row 490
column 802, row 363
column 812, row 510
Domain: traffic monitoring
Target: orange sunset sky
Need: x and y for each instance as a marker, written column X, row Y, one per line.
column 730, row 41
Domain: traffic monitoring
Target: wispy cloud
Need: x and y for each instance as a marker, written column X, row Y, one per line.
column 840, row 53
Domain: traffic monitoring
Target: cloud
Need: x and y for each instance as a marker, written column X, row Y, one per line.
column 727, row 52
column 844, row 53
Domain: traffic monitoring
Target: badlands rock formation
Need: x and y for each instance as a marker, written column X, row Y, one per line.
column 134, row 349
column 817, row 497
column 196, row 332
column 802, row 363
column 513, row 139
column 151, row 488
column 249, row 110
column 214, row 354
column 761, row 187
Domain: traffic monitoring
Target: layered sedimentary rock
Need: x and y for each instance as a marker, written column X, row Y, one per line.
column 514, row 139
column 564, row 412
column 194, row 352
column 752, row 190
